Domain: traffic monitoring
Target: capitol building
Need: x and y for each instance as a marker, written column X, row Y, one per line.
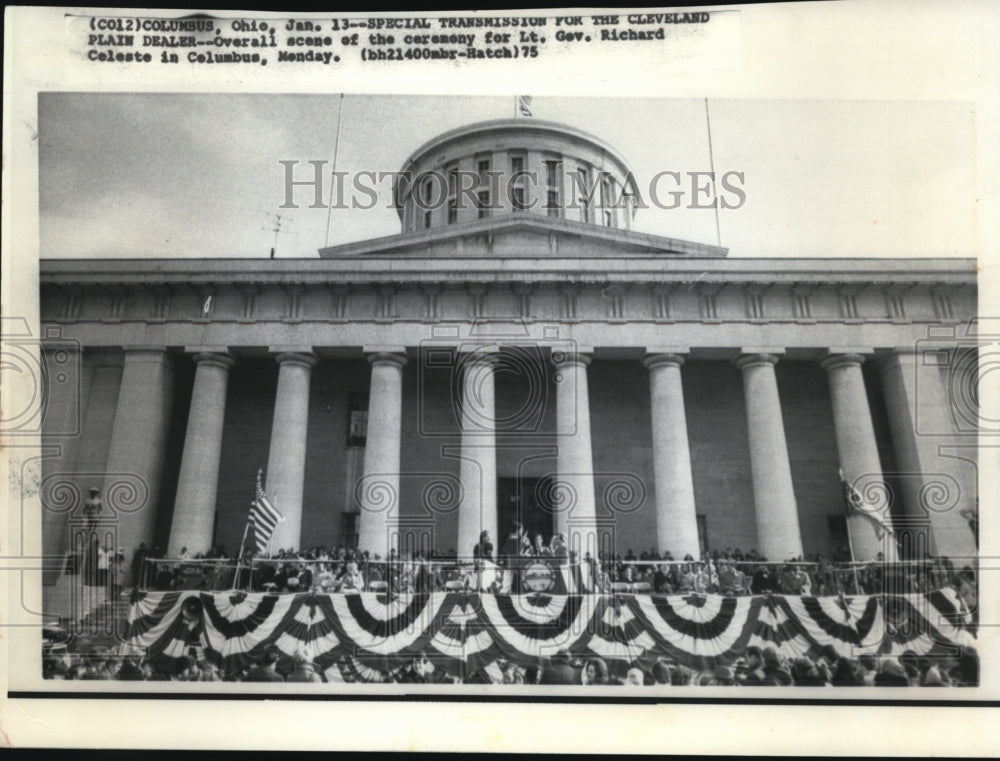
column 527, row 356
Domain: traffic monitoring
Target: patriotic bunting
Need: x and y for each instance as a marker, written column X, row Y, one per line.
column 371, row 637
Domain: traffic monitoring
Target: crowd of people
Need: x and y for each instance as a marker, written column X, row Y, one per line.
column 755, row 667
column 730, row 571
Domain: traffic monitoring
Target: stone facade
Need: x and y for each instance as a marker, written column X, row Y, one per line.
column 664, row 394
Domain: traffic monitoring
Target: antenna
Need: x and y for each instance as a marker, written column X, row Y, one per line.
column 277, row 224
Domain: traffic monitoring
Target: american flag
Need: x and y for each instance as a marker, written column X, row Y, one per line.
column 523, row 103
column 264, row 517
column 870, row 511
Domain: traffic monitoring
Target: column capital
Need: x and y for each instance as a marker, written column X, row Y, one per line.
column 842, row 360
column 221, row 359
column 306, row 359
column 755, row 360
column 561, row 358
column 664, row 358
column 387, row 358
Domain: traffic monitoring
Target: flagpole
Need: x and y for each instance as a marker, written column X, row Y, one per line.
column 847, row 525
column 711, row 166
column 239, row 558
column 336, row 150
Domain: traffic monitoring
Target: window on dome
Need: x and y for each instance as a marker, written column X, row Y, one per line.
column 608, row 199
column 552, row 181
column 584, row 199
column 452, row 194
column 518, row 183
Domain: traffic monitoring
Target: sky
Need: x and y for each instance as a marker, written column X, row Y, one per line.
column 198, row 175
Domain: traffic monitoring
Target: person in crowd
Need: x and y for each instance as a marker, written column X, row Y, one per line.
column 130, row 670
column 208, row 671
column 846, row 674
column 965, row 589
column 966, row 669
column 406, row 583
column 559, row 670
column 702, row 579
column 763, row 581
column 303, row 669
column 594, row 672
column 325, row 581
column 687, row 577
column 305, row 574
column 891, row 674
column 634, row 677
column 540, row 548
column 352, row 581
column 526, row 550
column 266, row 671
column 661, row 579
column 628, row 577
column 483, row 550
column 800, row 581
column 775, row 671
column 723, row 676
column 661, row 674
column 139, row 565
column 559, row 549
column 805, row 674
column 186, row 670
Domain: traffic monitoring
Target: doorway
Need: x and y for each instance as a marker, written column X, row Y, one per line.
column 527, row 501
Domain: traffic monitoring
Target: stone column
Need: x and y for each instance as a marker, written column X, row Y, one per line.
column 286, row 461
column 138, row 445
column 198, row 481
column 857, row 449
column 937, row 466
column 379, row 492
column 67, row 386
column 477, row 510
column 575, row 505
column 773, row 496
column 676, row 519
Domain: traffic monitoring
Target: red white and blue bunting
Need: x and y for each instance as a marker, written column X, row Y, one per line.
column 369, row 637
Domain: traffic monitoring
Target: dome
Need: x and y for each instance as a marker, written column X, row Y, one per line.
column 514, row 166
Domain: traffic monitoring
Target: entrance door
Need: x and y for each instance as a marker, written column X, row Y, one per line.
column 526, row 500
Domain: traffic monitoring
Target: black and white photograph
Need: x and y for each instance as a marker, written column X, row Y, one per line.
column 494, row 395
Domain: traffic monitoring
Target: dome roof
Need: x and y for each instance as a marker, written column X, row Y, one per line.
column 498, row 128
